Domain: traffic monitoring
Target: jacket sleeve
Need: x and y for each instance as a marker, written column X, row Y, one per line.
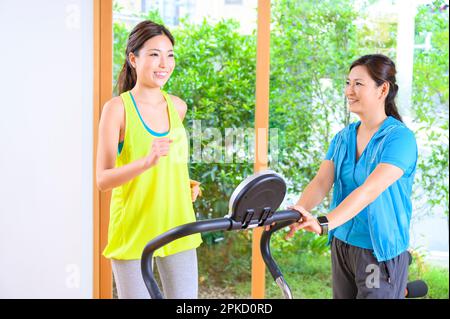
column 331, row 149
column 400, row 149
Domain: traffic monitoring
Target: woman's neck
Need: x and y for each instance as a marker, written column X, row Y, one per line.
column 145, row 93
column 373, row 122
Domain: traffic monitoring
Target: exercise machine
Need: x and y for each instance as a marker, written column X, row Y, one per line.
column 254, row 203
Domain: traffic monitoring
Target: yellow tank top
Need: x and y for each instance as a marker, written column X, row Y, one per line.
column 158, row 199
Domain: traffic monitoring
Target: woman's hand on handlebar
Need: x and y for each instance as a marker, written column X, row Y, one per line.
column 293, row 226
column 308, row 222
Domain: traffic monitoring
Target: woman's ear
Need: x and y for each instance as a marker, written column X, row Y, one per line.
column 384, row 90
column 132, row 60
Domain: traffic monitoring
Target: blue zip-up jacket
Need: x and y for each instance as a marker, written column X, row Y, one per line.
column 389, row 215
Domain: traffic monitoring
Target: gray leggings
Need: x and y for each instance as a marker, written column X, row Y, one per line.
column 178, row 274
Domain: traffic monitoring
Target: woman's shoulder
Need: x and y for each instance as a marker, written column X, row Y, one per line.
column 342, row 133
column 402, row 133
column 114, row 108
column 114, row 105
column 179, row 104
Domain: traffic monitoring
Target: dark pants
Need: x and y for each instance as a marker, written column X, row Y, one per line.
column 357, row 273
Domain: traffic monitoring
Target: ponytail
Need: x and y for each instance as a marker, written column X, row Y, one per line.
column 389, row 104
column 127, row 77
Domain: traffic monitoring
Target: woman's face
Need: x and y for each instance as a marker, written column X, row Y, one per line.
column 363, row 95
column 155, row 62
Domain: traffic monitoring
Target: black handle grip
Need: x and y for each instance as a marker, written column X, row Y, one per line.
column 282, row 219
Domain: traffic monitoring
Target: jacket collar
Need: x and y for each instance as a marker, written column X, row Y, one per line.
column 387, row 125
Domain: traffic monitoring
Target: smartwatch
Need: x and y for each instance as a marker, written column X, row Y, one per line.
column 323, row 222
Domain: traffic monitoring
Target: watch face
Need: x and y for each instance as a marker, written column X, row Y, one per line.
column 322, row 220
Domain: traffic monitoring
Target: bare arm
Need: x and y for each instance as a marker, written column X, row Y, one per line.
column 109, row 176
column 319, row 187
column 315, row 192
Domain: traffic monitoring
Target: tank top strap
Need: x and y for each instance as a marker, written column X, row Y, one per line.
column 175, row 121
column 131, row 115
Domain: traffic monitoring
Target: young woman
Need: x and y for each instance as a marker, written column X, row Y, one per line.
column 142, row 156
column 372, row 164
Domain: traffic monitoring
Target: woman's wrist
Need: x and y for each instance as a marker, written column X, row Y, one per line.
column 147, row 162
column 320, row 232
column 331, row 221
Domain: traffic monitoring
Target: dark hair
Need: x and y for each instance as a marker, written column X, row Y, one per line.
column 139, row 35
column 382, row 69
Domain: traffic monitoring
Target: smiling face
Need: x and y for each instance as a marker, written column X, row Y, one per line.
column 363, row 94
column 155, row 61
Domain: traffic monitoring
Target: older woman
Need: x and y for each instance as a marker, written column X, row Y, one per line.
column 371, row 164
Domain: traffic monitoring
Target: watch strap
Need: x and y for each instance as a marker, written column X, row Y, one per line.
column 323, row 222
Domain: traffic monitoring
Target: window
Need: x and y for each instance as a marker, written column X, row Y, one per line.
column 235, row 2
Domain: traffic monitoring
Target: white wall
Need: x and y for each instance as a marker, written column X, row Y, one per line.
column 46, row 79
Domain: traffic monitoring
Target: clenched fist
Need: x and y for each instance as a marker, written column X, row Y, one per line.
column 160, row 147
